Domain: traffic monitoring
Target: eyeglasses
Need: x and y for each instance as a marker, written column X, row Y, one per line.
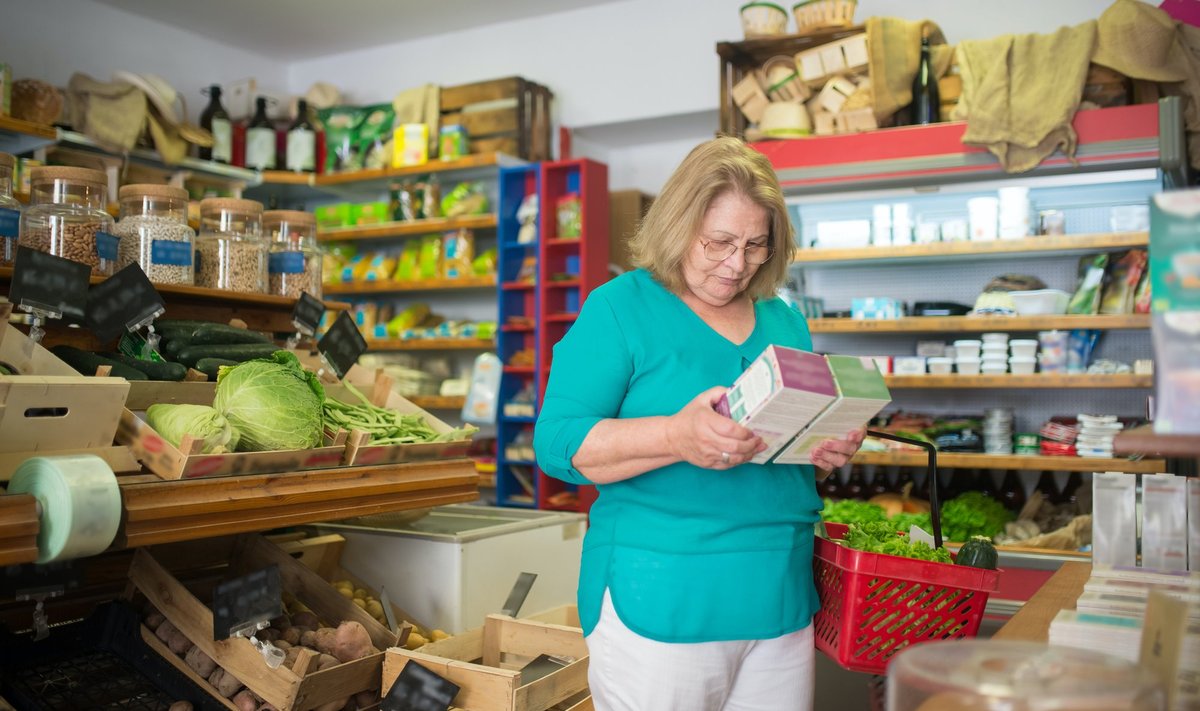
column 718, row 251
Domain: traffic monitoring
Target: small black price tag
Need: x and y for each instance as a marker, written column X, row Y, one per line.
column 45, row 282
column 308, row 313
column 342, row 344
column 122, row 302
column 30, row 580
column 418, row 689
column 248, row 600
column 516, row 596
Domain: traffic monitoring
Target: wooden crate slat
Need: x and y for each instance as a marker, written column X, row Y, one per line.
column 484, row 123
column 496, row 145
column 554, row 688
column 454, row 98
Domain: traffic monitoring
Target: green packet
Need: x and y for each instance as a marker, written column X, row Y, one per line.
column 133, row 345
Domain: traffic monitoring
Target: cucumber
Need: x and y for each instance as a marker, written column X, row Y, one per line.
column 239, row 352
column 180, row 323
column 170, row 347
column 217, row 334
column 86, row 363
column 155, row 370
column 211, row 366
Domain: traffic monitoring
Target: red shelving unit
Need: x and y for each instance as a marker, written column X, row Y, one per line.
column 586, row 258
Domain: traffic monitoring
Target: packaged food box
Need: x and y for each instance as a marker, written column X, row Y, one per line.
column 861, row 394
column 333, row 216
column 778, row 395
column 371, row 213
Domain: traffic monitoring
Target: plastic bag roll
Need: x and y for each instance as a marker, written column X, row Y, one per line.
column 80, row 504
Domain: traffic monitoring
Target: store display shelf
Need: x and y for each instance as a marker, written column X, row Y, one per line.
column 17, row 136
column 438, row 402
column 561, row 318
column 995, row 249
column 380, row 287
column 18, row 529
column 468, row 164
column 1010, row 380
column 518, row 286
column 966, row 460
column 430, row 344
column 408, row 228
column 564, row 284
column 242, row 177
column 163, row 512
column 519, row 369
column 1145, row 440
column 286, row 177
column 980, row 324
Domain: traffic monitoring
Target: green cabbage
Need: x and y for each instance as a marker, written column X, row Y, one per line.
column 274, row 404
column 204, row 423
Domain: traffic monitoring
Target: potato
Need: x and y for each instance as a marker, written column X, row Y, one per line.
column 414, row 641
column 361, row 603
column 154, row 618
column 308, row 638
column 351, row 642
column 374, row 608
column 225, row 683
column 289, row 656
column 306, row 619
column 347, row 593
column 282, row 622
column 245, row 701
column 283, row 644
column 181, row 706
column 179, row 643
column 437, row 635
column 343, row 584
column 267, row 707
column 324, row 639
column 200, row 662
column 360, row 593
column 325, row 661
column 165, row 630
column 332, row 705
column 291, row 636
column 365, row 699
column 268, row 635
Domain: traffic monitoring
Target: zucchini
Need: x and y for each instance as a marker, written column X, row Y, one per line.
column 86, row 363
column 239, row 352
column 155, row 370
column 211, row 366
column 978, row 553
column 217, row 334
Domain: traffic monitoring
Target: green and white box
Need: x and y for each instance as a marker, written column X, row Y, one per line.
column 861, row 394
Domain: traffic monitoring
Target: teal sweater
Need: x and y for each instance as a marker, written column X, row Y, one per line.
column 688, row 554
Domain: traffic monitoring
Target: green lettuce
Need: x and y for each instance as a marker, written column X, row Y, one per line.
column 204, row 423
column 274, row 403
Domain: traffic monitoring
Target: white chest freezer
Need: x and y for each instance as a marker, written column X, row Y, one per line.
column 457, row 564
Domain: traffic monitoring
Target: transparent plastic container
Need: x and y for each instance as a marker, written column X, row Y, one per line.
column 154, row 233
column 231, row 253
column 10, row 212
column 994, row 675
column 67, row 217
column 294, row 264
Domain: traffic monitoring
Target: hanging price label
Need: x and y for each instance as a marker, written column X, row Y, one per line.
column 342, row 344
column 52, row 285
column 418, row 689
column 123, row 302
column 241, row 604
column 308, row 313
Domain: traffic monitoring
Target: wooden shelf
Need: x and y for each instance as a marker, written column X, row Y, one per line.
column 430, row 344
column 166, row 511
column 286, row 177
column 1144, row 440
column 956, row 460
column 518, row 286
column 18, row 529
column 1057, row 244
column 1032, row 621
column 407, row 229
column 979, row 324
column 479, row 160
column 438, row 402
column 378, row 287
column 27, row 128
column 1037, row 380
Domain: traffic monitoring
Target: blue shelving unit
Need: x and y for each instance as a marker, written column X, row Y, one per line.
column 516, row 478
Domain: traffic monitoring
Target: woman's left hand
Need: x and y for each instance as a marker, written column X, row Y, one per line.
column 836, row 453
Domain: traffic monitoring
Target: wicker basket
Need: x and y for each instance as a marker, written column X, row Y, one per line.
column 813, row 15
column 782, row 80
column 763, row 19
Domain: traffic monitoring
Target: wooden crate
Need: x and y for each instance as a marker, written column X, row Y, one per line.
column 285, row 688
column 509, row 115
column 378, row 388
column 484, row 663
column 564, row 615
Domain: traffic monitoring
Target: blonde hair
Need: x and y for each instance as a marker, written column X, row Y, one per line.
column 715, row 167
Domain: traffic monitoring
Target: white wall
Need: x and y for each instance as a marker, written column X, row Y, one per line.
column 51, row 39
column 636, row 79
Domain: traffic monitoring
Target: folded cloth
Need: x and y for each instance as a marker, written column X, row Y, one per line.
column 113, row 114
column 1015, row 104
column 894, row 54
column 420, row 105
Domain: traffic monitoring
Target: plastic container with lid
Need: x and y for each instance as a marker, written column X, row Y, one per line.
column 154, row 232
column 67, row 217
column 994, row 675
column 294, row 264
column 231, row 253
column 10, row 212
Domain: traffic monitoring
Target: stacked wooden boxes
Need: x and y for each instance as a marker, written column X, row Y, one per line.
column 509, row 115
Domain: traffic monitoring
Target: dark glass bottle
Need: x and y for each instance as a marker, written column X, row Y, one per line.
column 958, row 481
column 905, row 478
column 1012, row 491
column 260, row 138
column 301, row 142
column 879, row 483
column 216, row 121
column 856, row 485
column 1070, row 490
column 926, row 104
column 981, row 481
column 1049, row 488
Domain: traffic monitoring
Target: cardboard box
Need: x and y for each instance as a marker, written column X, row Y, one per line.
column 626, row 208
column 909, row 365
column 1164, row 522
column 781, row 392
column 861, row 394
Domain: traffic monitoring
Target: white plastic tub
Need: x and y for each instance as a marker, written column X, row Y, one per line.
column 939, row 365
column 1022, row 366
column 967, row 366
column 1023, row 348
column 1040, row 301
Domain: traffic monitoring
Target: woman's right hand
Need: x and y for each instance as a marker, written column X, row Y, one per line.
column 700, row 435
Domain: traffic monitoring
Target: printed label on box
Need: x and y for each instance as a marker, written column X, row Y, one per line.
column 862, row 394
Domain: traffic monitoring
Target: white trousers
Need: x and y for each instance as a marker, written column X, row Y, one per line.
column 628, row 672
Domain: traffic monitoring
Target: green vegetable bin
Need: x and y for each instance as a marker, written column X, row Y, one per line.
column 873, row 604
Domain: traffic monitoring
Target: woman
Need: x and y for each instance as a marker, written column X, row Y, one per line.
column 696, row 588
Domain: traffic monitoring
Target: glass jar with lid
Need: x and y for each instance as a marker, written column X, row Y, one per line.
column 154, row 232
column 294, row 265
column 67, row 217
column 231, row 252
column 10, row 212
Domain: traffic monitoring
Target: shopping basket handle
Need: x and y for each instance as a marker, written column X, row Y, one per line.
column 935, row 514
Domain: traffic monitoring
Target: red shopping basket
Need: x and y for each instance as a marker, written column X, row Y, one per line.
column 873, row 605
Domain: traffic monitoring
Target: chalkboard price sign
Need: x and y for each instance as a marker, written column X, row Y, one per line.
column 51, row 284
column 122, row 302
column 247, row 601
column 308, row 313
column 342, row 344
column 418, row 689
